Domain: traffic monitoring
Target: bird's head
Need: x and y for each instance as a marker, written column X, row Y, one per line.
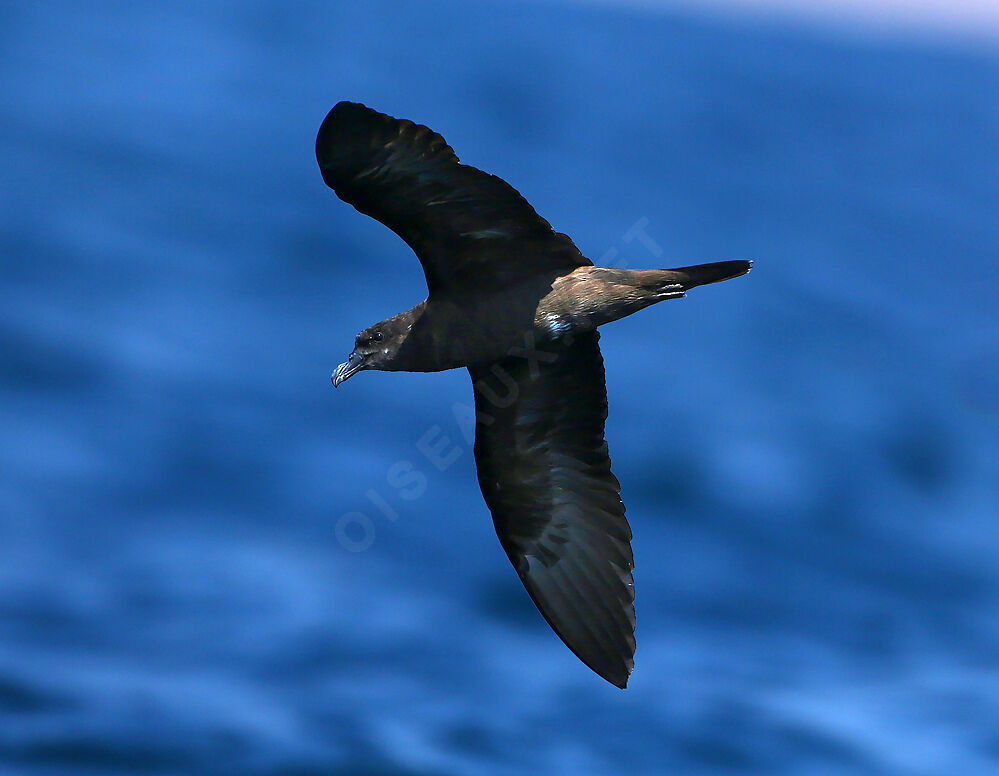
column 377, row 347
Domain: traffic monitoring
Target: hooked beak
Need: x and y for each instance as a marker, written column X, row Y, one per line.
column 351, row 366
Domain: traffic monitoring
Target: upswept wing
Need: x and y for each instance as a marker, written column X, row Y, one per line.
column 467, row 227
column 545, row 473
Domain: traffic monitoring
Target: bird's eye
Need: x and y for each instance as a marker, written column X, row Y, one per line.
column 377, row 336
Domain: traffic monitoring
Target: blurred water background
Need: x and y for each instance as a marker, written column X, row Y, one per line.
column 203, row 566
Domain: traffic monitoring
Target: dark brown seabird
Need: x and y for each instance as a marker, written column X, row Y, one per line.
column 518, row 305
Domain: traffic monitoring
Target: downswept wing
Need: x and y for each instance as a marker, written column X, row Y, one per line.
column 545, row 474
column 467, row 227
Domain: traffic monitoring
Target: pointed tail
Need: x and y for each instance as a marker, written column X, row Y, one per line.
column 702, row 274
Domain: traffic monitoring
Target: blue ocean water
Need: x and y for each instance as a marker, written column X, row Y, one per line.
column 204, row 568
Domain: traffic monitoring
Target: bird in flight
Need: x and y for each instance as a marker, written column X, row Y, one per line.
column 518, row 305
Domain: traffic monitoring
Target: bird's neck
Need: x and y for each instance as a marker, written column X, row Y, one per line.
column 426, row 346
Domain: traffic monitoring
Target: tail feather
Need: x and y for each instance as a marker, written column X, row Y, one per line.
column 602, row 294
column 702, row 274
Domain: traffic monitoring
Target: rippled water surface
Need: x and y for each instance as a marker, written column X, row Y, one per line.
column 809, row 455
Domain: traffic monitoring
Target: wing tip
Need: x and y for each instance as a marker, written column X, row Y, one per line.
column 354, row 137
column 346, row 110
column 617, row 671
column 344, row 119
column 618, row 678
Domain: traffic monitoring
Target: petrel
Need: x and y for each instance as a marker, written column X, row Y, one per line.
column 517, row 305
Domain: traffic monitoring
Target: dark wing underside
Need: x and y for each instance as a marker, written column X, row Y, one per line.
column 545, row 473
column 466, row 226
